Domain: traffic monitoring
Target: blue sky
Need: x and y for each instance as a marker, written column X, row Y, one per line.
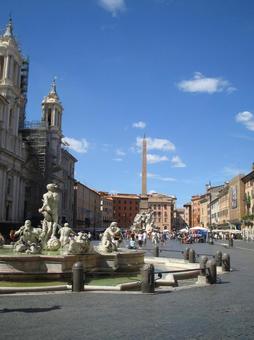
column 179, row 71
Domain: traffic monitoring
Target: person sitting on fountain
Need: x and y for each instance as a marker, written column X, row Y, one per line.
column 132, row 242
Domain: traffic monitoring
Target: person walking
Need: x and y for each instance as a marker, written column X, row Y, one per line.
column 140, row 240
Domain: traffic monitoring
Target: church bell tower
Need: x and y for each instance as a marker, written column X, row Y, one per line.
column 52, row 110
column 13, row 78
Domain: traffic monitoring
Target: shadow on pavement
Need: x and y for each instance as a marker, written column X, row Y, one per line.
column 29, row 310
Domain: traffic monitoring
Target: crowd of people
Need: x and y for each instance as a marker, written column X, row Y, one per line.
column 136, row 240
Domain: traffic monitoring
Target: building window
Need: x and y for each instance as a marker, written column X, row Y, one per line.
column 8, row 211
column 28, row 193
column 8, row 186
column 10, row 119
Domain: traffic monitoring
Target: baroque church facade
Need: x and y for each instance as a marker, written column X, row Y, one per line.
column 31, row 153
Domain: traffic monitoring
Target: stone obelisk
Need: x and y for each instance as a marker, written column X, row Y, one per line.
column 144, row 166
column 144, row 197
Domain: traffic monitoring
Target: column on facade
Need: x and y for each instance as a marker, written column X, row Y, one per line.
column 16, row 123
column 15, row 197
column 21, row 199
column 11, row 68
column 4, row 187
column 3, row 192
column 6, row 66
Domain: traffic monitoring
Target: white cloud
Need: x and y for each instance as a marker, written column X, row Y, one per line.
column 113, row 6
column 156, row 144
column 118, row 159
column 120, row 152
column 177, row 162
column 151, row 192
column 113, row 192
column 200, row 83
column 246, row 118
column 139, row 125
column 160, row 178
column 78, row 145
column 152, row 159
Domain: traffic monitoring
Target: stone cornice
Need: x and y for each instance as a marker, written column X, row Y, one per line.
column 13, row 155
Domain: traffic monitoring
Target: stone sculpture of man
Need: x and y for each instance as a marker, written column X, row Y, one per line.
column 149, row 223
column 65, row 233
column 29, row 239
column 110, row 235
column 49, row 208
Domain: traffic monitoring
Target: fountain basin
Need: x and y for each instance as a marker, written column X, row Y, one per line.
column 15, row 266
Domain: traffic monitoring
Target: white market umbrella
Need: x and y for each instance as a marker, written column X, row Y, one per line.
column 199, row 228
column 184, row 230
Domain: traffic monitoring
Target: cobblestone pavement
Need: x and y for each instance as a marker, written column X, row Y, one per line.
column 222, row 311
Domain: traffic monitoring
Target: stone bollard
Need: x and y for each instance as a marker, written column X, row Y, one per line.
column 192, row 256
column 147, row 278
column 203, row 262
column 156, row 251
column 218, row 258
column 212, row 271
column 226, row 262
column 77, row 277
column 186, row 254
column 230, row 242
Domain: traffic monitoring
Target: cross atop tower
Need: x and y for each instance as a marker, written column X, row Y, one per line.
column 9, row 29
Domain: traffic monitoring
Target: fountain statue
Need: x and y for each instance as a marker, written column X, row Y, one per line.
column 34, row 240
column 2, row 240
column 49, row 210
column 66, row 248
column 111, row 239
column 29, row 241
column 144, row 222
column 80, row 244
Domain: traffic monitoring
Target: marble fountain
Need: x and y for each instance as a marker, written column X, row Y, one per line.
column 48, row 252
